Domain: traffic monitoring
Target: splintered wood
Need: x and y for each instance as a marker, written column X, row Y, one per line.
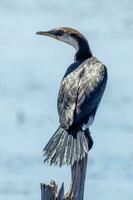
column 76, row 192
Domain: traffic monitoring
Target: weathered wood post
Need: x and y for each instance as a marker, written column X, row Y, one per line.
column 76, row 192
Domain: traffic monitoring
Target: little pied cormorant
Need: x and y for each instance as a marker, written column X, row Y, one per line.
column 80, row 93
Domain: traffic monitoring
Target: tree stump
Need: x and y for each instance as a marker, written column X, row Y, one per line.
column 76, row 192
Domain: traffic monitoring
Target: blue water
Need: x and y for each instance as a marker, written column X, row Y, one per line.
column 31, row 68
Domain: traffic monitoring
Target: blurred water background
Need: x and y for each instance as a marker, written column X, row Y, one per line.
column 31, row 69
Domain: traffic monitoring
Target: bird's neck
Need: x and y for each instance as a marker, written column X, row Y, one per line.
column 83, row 51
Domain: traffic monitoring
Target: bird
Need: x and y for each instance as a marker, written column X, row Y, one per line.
column 81, row 90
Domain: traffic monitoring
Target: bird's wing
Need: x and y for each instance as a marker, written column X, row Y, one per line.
column 91, row 89
column 68, row 96
column 81, row 91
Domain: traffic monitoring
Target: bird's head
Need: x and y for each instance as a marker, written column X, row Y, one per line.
column 71, row 37
column 65, row 34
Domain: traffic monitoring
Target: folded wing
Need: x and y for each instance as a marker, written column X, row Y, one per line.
column 81, row 91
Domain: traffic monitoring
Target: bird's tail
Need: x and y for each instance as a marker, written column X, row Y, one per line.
column 67, row 146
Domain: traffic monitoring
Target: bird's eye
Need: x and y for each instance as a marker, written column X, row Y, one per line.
column 72, row 34
column 57, row 32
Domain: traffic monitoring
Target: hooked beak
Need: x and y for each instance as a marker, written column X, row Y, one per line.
column 47, row 33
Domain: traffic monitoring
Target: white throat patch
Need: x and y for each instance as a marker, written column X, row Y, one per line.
column 70, row 40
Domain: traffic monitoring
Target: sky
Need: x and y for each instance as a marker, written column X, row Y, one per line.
column 31, row 68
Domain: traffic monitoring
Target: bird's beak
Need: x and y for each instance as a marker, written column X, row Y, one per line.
column 47, row 33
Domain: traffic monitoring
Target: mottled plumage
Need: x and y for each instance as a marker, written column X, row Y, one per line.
column 80, row 93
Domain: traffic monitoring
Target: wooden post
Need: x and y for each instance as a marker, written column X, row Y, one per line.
column 78, row 172
column 76, row 192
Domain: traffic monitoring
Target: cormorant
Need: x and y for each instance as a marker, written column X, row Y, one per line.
column 80, row 93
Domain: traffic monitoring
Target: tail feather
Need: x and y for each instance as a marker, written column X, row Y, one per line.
column 66, row 147
column 57, row 155
column 66, row 150
column 78, row 147
column 85, row 143
column 77, row 155
column 55, row 135
column 73, row 151
column 62, row 156
column 57, row 149
column 52, row 145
